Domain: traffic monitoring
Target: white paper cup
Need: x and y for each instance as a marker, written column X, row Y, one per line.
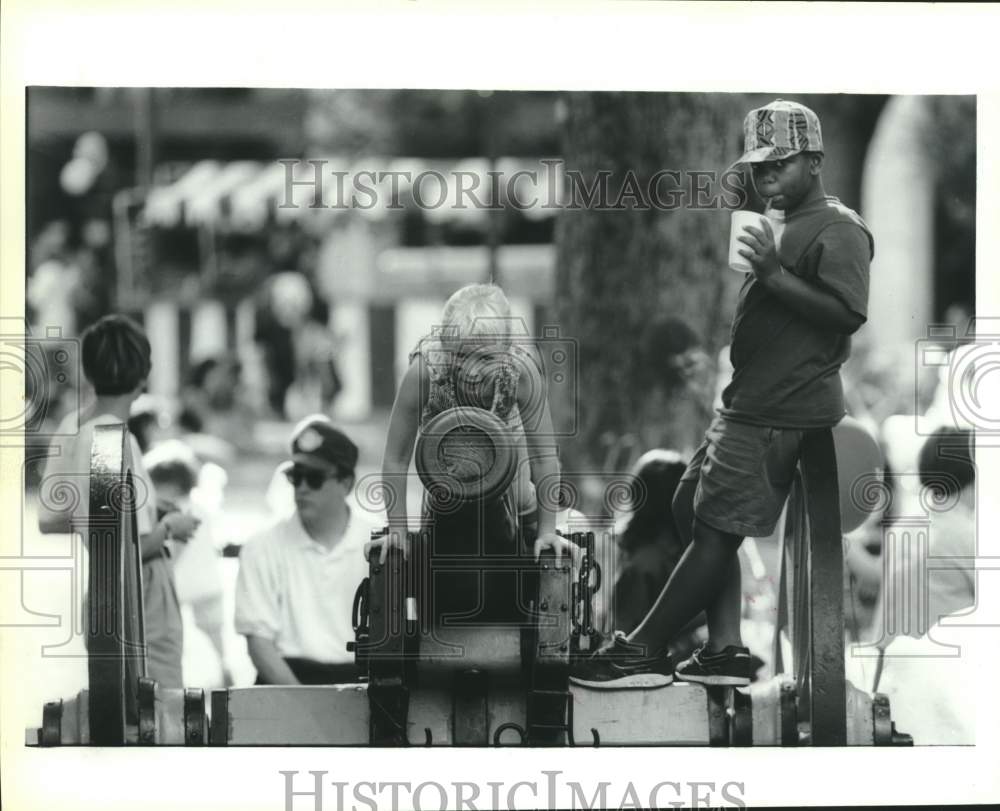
column 740, row 220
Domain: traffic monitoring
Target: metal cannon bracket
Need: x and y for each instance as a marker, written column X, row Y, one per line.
column 397, row 636
column 115, row 629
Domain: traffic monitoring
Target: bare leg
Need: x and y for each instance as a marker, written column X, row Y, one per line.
column 702, row 573
column 725, row 610
column 683, row 509
column 683, row 512
column 723, row 613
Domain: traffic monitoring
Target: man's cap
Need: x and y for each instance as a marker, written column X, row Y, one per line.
column 318, row 444
column 779, row 130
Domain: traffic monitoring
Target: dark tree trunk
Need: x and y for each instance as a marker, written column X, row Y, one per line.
column 619, row 269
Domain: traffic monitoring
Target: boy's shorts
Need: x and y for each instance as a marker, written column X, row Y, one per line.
column 744, row 473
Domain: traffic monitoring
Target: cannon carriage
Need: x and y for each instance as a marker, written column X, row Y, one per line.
column 440, row 675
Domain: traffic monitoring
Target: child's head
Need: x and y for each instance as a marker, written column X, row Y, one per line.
column 946, row 462
column 784, row 147
column 672, row 352
column 479, row 312
column 173, row 469
column 147, row 420
column 291, row 298
column 116, row 356
column 218, row 378
column 655, row 477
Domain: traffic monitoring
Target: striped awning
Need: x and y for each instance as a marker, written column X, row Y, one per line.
column 246, row 195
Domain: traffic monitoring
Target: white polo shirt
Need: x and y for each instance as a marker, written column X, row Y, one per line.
column 298, row 593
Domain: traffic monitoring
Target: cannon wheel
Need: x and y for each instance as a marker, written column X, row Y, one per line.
column 811, row 593
column 115, row 632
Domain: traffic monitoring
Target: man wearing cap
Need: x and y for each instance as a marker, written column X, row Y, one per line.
column 791, row 333
column 297, row 578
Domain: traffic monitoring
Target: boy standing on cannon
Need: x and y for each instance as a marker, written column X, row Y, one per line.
column 791, row 333
column 116, row 361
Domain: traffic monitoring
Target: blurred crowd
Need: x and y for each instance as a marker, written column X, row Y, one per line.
column 287, row 370
column 190, row 447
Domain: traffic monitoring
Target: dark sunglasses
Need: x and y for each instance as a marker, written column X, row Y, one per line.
column 314, row 479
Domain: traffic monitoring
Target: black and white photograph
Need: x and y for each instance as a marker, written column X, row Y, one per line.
column 605, row 426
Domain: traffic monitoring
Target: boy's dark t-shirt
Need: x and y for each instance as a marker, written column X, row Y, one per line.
column 786, row 369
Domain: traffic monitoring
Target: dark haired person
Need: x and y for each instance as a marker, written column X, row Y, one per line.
column 921, row 586
column 297, row 578
column 926, row 666
column 148, row 419
column 116, row 360
column 215, row 416
column 649, row 544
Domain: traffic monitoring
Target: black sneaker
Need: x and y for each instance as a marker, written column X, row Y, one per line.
column 730, row 666
column 623, row 665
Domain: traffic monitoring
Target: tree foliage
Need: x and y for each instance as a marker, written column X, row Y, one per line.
column 431, row 123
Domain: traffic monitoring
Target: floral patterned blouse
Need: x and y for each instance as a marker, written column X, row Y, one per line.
column 489, row 383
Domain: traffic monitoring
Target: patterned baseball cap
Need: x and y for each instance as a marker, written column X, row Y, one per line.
column 780, row 129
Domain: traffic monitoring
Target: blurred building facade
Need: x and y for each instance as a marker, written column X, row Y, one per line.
column 192, row 203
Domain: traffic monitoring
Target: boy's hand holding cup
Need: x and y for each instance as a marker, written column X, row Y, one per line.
column 753, row 245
